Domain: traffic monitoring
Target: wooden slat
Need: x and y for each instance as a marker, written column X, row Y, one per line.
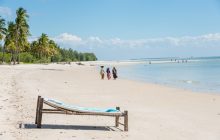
column 121, row 123
column 39, row 120
column 126, row 121
column 117, row 118
column 51, row 110
column 37, row 109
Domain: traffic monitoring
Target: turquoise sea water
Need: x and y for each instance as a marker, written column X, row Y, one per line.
column 198, row 74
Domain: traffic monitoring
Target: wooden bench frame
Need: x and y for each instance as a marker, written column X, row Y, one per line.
column 59, row 110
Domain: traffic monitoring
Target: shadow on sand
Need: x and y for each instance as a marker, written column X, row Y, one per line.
column 73, row 127
column 53, row 69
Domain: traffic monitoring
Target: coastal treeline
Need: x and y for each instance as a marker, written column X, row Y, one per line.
column 16, row 48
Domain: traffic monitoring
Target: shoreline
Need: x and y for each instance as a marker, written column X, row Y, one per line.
column 155, row 111
column 174, row 87
column 113, row 63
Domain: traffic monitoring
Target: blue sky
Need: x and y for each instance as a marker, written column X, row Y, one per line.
column 123, row 29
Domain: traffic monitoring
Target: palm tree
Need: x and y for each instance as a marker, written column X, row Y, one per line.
column 2, row 33
column 34, row 48
column 22, row 31
column 44, row 47
column 2, row 28
column 10, row 40
column 43, row 43
column 53, row 48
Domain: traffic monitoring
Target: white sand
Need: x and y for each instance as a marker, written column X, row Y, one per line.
column 155, row 112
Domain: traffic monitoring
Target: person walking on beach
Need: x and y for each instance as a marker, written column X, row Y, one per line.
column 114, row 73
column 102, row 72
column 108, row 73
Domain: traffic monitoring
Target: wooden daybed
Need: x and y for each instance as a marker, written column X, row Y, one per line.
column 60, row 108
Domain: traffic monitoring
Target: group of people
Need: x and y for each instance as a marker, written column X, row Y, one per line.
column 108, row 72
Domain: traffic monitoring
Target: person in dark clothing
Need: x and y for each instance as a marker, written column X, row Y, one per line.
column 108, row 73
column 114, row 73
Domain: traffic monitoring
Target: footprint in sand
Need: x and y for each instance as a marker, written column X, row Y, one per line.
column 5, row 100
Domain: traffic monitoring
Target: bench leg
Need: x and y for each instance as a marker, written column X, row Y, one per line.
column 37, row 109
column 39, row 117
column 126, row 121
column 117, row 118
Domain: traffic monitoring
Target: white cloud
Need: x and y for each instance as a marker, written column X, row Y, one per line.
column 208, row 40
column 5, row 11
column 67, row 38
column 71, row 40
column 116, row 48
column 95, row 39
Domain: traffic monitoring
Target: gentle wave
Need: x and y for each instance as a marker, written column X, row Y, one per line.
column 198, row 74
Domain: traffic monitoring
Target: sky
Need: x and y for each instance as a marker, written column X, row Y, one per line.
column 125, row 29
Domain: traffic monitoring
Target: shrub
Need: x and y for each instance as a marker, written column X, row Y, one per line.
column 7, row 57
column 43, row 60
column 26, row 58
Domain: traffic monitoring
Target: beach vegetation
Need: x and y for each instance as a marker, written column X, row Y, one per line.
column 7, row 57
column 17, row 48
column 9, row 42
column 27, row 57
column 2, row 28
column 1, row 48
column 3, row 31
column 21, row 32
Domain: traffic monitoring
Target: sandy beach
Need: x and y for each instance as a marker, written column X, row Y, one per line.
column 155, row 112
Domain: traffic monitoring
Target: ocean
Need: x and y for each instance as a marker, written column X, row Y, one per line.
column 195, row 74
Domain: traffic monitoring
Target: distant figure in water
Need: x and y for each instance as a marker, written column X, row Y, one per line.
column 102, row 72
column 114, row 73
column 108, row 73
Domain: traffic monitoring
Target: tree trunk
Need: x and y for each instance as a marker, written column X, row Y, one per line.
column 18, row 55
column 3, row 56
column 17, row 47
column 13, row 58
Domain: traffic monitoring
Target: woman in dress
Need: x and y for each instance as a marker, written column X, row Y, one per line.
column 108, row 73
column 102, row 72
column 114, row 73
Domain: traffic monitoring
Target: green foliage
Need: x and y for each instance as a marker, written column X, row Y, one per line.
column 56, row 58
column 87, row 57
column 44, row 47
column 46, row 50
column 70, row 55
column 22, row 30
column 1, row 48
column 2, row 28
column 7, row 57
column 43, row 60
column 10, row 38
column 27, row 57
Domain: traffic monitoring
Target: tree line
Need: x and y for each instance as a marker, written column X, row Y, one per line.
column 16, row 48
